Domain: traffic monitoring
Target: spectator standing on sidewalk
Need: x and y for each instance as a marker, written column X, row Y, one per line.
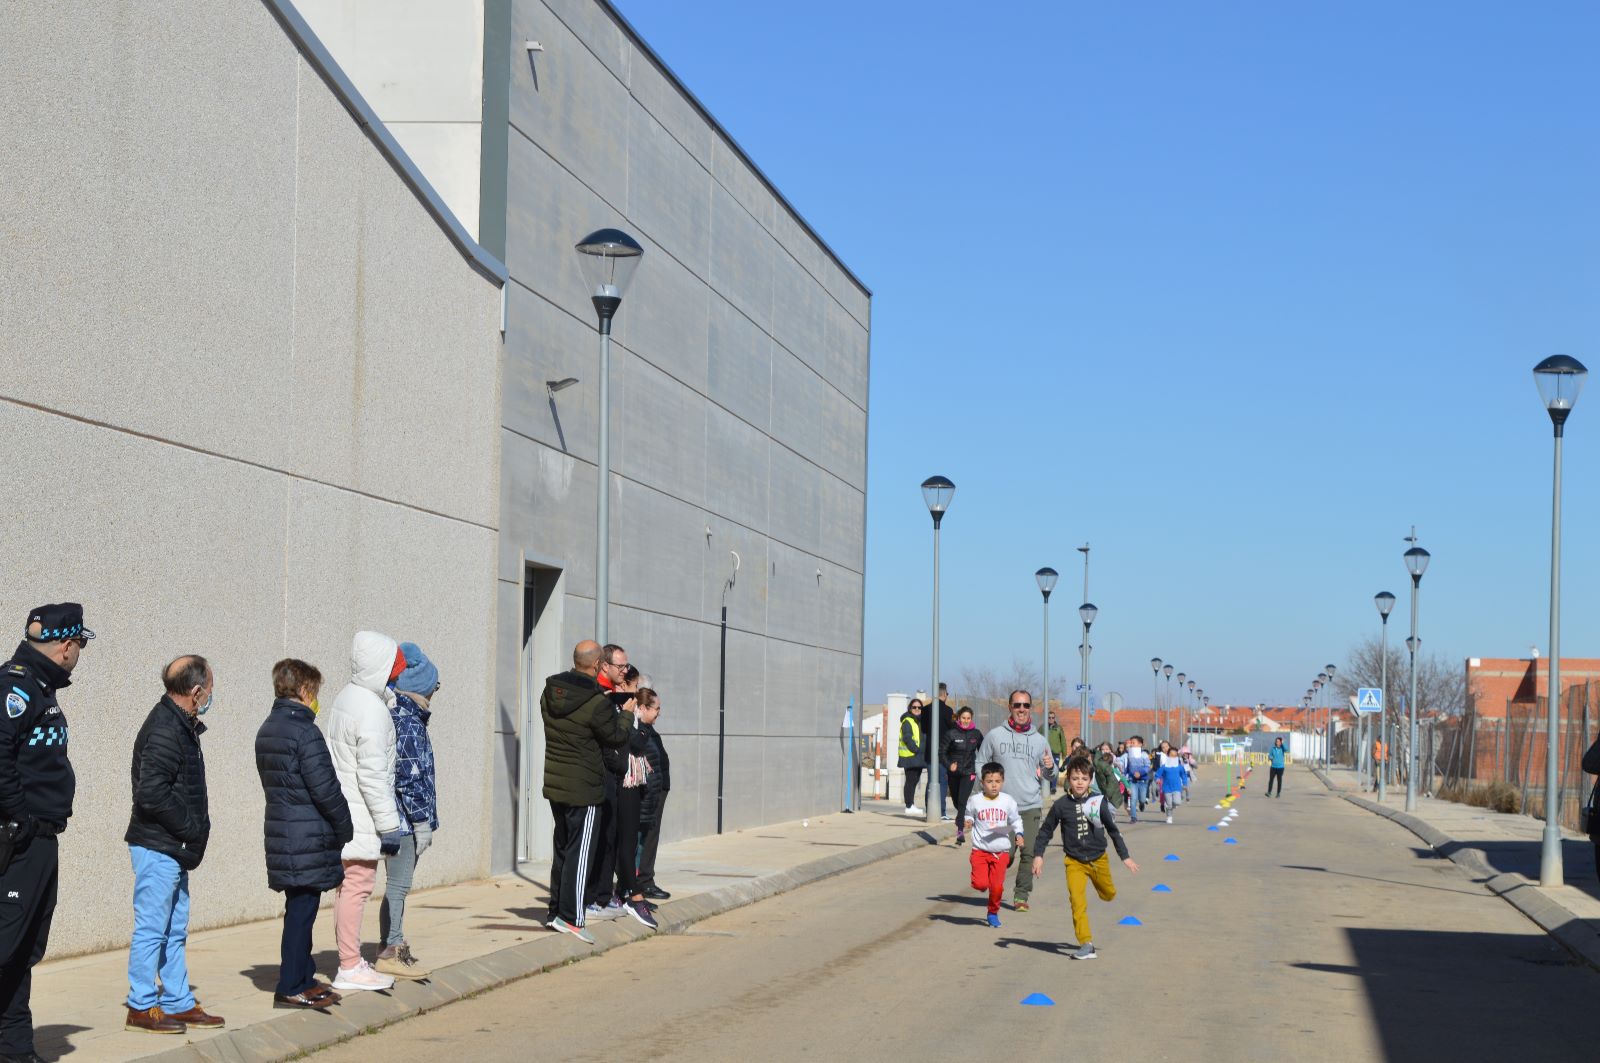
column 658, row 785
column 36, row 790
column 1591, row 766
column 630, row 803
column 578, row 719
column 620, row 680
column 1025, row 756
column 947, row 723
column 307, row 823
column 1057, row 738
column 166, row 836
column 959, row 760
column 912, row 754
column 362, row 744
column 416, row 796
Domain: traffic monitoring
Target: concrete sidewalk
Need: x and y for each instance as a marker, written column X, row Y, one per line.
column 474, row 936
column 1501, row 852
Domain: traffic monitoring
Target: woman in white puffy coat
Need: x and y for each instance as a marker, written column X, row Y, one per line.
column 361, row 741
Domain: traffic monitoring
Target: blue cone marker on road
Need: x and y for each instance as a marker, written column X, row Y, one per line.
column 1230, row 841
column 1129, row 920
column 1213, row 827
column 1170, row 856
column 1161, row 887
column 1038, row 1000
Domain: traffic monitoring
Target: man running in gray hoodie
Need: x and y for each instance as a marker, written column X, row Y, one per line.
column 1025, row 754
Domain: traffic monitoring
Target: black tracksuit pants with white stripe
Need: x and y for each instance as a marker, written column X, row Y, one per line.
column 574, row 847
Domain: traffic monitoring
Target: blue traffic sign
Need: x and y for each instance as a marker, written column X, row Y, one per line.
column 1369, row 699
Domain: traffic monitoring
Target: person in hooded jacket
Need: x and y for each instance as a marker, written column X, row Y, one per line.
column 167, row 834
column 579, row 718
column 361, row 741
column 416, row 795
column 959, row 757
column 307, row 823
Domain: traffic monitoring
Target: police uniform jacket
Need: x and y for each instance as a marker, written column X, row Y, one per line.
column 36, row 778
column 170, row 813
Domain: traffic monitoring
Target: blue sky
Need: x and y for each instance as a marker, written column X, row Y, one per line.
column 1236, row 292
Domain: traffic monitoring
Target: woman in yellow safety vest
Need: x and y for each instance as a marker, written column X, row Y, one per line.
column 913, row 753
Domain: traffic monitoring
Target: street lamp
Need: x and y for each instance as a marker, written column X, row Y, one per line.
column 608, row 258
column 937, row 491
column 1188, row 706
column 1385, row 603
column 1086, row 612
column 1416, row 560
column 1155, row 688
column 1046, row 578
column 1560, row 378
column 1329, row 670
column 1166, row 670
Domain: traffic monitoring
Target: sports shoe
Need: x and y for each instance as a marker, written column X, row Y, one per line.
column 1085, row 951
column 560, row 925
column 994, row 920
column 961, row 839
column 1169, row 819
column 656, row 893
column 947, row 818
column 599, row 913
column 913, row 810
column 640, row 911
column 398, row 961
column 1019, row 906
column 361, row 976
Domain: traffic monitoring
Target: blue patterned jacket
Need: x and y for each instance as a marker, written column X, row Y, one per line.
column 413, row 764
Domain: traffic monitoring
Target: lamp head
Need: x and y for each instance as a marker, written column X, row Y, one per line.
column 1166, row 670
column 1417, row 562
column 1559, row 379
column 1155, row 664
column 937, row 491
column 608, row 258
column 1385, row 602
column 1046, row 578
column 1087, row 612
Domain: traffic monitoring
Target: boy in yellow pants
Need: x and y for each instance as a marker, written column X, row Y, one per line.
column 1085, row 819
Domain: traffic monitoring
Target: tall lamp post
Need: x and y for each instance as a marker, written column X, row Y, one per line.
column 1560, row 378
column 1328, row 668
column 1385, row 603
column 1046, row 578
column 1166, row 670
column 1316, row 695
column 1188, row 707
column 1086, row 612
column 1155, row 688
column 937, row 491
column 1416, row 560
column 608, row 258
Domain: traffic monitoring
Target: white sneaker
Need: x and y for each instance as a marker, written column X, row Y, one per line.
column 947, row 818
column 1169, row 819
column 361, row 976
column 913, row 810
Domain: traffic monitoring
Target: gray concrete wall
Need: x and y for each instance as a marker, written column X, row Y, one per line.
column 739, row 397
column 249, row 403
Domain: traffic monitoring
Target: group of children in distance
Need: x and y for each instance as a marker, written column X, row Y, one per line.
column 1086, row 819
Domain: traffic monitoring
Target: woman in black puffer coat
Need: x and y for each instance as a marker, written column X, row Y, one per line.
column 959, row 752
column 307, row 825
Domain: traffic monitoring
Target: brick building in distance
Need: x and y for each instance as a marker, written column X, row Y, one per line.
column 1505, row 716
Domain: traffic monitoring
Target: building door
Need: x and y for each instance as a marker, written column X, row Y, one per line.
column 542, row 596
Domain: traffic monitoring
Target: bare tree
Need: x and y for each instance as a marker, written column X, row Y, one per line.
column 996, row 684
column 1441, row 680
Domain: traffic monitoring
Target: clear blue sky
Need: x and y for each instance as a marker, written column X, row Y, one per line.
column 1235, row 292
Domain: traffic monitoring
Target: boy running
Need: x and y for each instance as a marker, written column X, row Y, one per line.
column 1174, row 777
column 1085, row 820
column 993, row 820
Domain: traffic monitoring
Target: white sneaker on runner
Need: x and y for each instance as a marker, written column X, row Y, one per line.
column 913, row 810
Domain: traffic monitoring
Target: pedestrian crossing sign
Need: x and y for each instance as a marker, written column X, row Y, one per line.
column 1369, row 699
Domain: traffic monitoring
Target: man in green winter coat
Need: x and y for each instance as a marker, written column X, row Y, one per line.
column 579, row 717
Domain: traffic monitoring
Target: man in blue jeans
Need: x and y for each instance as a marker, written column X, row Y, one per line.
column 167, row 834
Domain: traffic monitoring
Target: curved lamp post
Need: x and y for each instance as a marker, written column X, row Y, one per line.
column 1385, row 603
column 1086, row 612
column 1416, row 560
column 937, row 491
column 1560, row 378
column 608, row 258
column 1046, row 578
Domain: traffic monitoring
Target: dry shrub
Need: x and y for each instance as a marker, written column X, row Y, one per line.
column 1502, row 797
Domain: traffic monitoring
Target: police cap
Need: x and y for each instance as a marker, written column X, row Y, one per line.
column 58, row 623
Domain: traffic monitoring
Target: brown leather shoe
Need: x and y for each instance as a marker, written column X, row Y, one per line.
column 305, row 1000
column 153, row 1020
column 197, row 1017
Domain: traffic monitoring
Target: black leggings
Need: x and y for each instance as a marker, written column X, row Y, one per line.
column 961, row 790
column 1275, row 775
column 629, row 802
column 913, row 776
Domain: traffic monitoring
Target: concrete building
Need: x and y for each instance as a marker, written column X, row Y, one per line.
column 739, row 396
column 249, row 404
column 267, row 382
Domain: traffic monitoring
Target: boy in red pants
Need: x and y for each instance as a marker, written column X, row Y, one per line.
column 992, row 819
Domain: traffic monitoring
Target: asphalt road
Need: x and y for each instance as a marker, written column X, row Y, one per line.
column 1324, row 930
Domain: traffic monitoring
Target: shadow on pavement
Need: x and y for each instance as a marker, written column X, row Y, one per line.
column 1577, row 856
column 1427, row 1001
column 56, row 1038
column 958, row 920
column 953, row 898
column 1054, row 948
column 1389, row 881
column 264, row 976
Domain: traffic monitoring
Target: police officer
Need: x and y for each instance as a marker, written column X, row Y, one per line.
column 36, row 787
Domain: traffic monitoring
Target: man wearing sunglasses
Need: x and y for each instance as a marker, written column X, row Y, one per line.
column 1025, row 754
column 36, row 789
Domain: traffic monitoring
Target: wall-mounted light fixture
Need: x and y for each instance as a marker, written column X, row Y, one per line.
column 554, row 386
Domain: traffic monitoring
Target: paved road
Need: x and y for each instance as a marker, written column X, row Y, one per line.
column 1325, row 929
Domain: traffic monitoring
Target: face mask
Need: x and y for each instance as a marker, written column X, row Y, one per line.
column 203, row 709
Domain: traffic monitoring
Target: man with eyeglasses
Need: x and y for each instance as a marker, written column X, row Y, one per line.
column 36, row 789
column 1025, row 754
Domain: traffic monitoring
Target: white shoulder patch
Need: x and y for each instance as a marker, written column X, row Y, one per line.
column 15, row 705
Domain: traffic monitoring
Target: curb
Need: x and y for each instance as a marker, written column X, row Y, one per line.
column 297, row 1033
column 1554, row 918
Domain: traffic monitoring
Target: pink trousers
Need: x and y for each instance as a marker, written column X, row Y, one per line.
column 349, row 903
